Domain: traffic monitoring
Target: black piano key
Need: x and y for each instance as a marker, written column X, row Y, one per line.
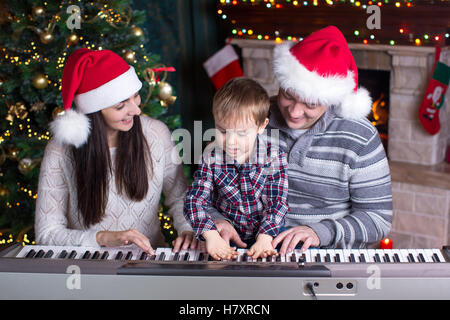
column 352, row 258
column 436, row 258
column 152, row 257
column 62, row 254
column 337, row 258
column 40, row 254
column 327, row 258
column 49, row 254
column 176, row 256
column 362, row 258
column 30, row 254
column 269, row 259
column 119, row 255
column 318, row 259
column 186, row 256
column 278, row 258
column 293, row 257
column 421, row 257
column 386, row 258
column 201, row 256
column 396, row 257
column 96, row 255
column 377, row 257
column 162, row 256
column 411, row 258
column 105, row 255
column 129, row 255
column 210, row 258
column 86, row 255
column 143, row 256
column 72, row 254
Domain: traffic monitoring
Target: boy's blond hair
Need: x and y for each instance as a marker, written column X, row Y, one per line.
column 241, row 99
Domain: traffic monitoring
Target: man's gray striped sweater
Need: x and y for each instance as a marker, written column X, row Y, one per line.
column 339, row 179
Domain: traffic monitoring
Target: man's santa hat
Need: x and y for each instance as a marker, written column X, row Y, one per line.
column 94, row 80
column 321, row 70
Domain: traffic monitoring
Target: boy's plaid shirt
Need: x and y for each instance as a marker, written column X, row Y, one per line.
column 253, row 195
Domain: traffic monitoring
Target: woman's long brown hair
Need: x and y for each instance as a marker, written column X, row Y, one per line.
column 93, row 167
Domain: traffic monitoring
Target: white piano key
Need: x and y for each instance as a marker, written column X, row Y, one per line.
column 346, row 253
column 382, row 254
column 404, row 253
column 355, row 253
column 371, row 255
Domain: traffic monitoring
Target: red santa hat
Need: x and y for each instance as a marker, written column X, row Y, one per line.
column 321, row 70
column 94, row 80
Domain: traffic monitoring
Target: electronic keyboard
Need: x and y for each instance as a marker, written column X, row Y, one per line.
column 127, row 272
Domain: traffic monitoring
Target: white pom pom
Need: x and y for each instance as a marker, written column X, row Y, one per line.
column 71, row 128
column 356, row 105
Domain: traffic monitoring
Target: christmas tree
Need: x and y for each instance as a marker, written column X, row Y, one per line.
column 36, row 38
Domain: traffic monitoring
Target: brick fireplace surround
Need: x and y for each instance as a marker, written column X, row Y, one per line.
column 420, row 177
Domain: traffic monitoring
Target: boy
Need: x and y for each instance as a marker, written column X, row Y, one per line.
column 242, row 174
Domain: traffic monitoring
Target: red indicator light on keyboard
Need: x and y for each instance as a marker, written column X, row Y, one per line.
column 386, row 243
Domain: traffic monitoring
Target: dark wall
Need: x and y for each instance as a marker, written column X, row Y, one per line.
column 185, row 33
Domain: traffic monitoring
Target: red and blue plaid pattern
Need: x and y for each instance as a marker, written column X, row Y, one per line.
column 253, row 195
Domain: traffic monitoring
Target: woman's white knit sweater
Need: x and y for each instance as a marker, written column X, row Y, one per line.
column 58, row 221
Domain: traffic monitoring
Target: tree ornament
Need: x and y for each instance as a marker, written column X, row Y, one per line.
column 39, row 81
column 17, row 110
column 38, row 11
column 129, row 56
column 26, row 165
column 137, row 32
column 165, row 90
column 4, row 192
column 13, row 153
column 46, row 37
column 72, row 39
column 57, row 112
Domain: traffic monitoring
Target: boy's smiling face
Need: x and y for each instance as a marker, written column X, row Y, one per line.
column 238, row 138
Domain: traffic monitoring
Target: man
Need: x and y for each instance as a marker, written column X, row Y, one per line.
column 339, row 182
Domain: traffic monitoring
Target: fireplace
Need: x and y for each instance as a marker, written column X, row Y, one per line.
column 377, row 83
column 396, row 77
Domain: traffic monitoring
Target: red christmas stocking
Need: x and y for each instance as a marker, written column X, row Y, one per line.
column 434, row 96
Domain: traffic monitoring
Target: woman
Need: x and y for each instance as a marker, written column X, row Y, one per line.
column 103, row 172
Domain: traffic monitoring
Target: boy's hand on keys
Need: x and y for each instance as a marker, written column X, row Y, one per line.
column 217, row 247
column 262, row 247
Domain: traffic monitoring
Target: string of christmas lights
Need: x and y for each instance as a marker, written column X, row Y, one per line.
column 250, row 33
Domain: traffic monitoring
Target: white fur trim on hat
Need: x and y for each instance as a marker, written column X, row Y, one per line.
column 309, row 85
column 356, row 105
column 71, row 128
column 110, row 93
